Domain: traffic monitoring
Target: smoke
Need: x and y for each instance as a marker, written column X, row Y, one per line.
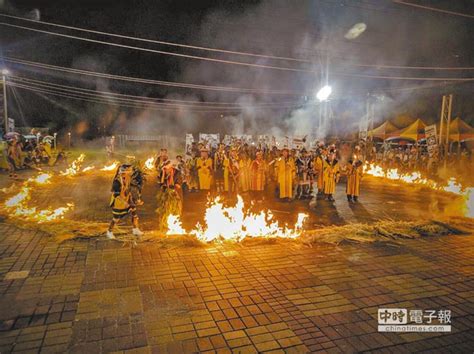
column 8, row 7
column 318, row 31
column 256, row 30
column 330, row 36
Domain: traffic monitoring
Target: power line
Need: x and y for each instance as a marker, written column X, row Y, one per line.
column 150, row 81
column 432, row 9
column 146, row 40
column 133, row 103
column 144, row 99
column 95, row 98
column 412, row 78
column 101, row 95
column 215, row 60
column 218, row 88
column 80, row 98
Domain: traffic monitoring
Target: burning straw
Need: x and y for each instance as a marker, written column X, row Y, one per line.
column 388, row 230
column 416, row 178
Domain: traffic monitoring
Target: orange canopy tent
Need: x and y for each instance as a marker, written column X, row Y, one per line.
column 383, row 131
column 415, row 131
column 460, row 130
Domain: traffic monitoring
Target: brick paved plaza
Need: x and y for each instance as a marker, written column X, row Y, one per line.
column 93, row 295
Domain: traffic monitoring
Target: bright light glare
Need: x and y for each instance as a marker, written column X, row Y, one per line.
column 324, row 93
column 5, row 71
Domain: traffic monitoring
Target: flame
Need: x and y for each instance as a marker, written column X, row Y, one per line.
column 453, row 186
column 174, row 226
column 42, row 178
column 18, row 198
column 111, row 167
column 75, row 166
column 234, row 223
column 88, row 168
column 17, row 205
column 150, row 163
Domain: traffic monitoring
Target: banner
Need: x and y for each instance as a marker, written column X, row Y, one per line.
column 298, row 142
column 431, row 139
column 189, row 145
column 264, row 141
column 209, row 140
column 273, row 141
column 238, row 139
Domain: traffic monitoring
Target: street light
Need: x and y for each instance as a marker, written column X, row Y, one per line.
column 324, row 93
column 5, row 72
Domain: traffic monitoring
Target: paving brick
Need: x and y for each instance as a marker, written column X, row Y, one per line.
column 267, row 346
column 101, row 296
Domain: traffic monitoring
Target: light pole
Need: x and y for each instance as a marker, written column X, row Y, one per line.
column 55, row 136
column 5, row 108
column 69, row 140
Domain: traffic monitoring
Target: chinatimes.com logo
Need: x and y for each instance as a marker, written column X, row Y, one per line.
column 403, row 320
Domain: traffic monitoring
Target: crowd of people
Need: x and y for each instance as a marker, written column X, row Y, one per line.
column 240, row 169
column 20, row 153
column 417, row 158
column 260, row 172
column 248, row 169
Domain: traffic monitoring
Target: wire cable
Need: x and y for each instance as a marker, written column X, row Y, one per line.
column 132, row 103
column 215, row 60
column 143, row 99
column 150, row 81
column 218, row 50
column 432, row 9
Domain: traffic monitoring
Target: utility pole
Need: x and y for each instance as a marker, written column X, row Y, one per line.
column 5, row 108
column 445, row 122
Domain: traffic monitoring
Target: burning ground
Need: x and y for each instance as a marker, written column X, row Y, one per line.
column 72, row 202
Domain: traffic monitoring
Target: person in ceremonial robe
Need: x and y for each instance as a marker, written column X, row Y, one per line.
column 303, row 168
column 285, row 171
column 258, row 175
column 354, row 175
column 331, row 175
column 231, row 172
column 204, row 168
column 318, row 165
column 122, row 201
column 219, row 167
column 244, row 172
column 160, row 162
column 192, row 179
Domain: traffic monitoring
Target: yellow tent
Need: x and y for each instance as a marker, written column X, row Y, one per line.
column 402, row 121
column 460, row 130
column 414, row 131
column 383, row 131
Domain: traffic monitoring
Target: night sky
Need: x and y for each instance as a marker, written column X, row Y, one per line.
column 312, row 30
